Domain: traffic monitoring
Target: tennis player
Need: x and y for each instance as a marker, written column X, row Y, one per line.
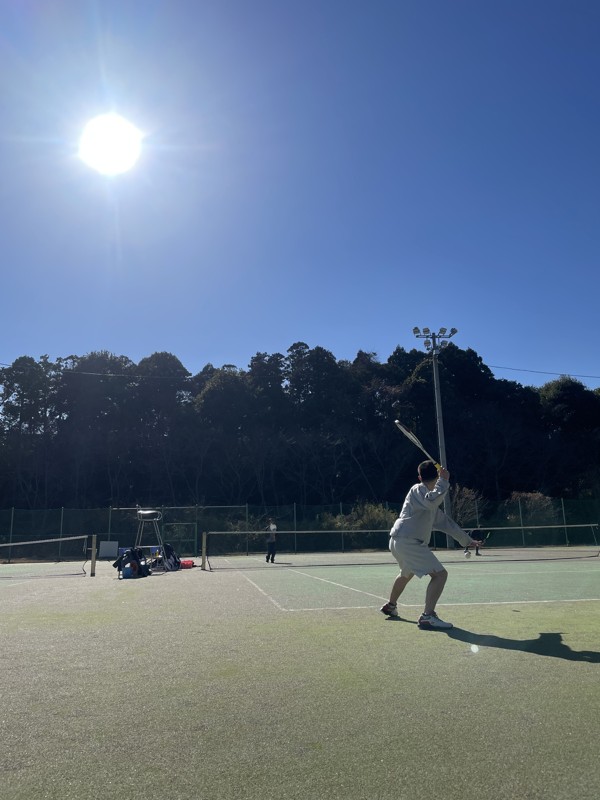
column 409, row 542
column 476, row 535
column 271, row 530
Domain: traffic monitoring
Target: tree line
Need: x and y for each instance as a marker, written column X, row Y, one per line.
column 100, row 430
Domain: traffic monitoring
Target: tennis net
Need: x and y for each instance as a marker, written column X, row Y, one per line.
column 247, row 549
column 44, row 558
column 239, row 549
column 541, row 535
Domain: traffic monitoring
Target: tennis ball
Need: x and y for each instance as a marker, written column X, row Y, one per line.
column 468, row 554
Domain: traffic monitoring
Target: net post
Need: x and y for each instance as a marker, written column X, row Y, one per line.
column 10, row 538
column 62, row 517
column 564, row 521
column 203, row 563
column 93, row 559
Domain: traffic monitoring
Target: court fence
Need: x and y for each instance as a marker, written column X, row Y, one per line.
column 183, row 526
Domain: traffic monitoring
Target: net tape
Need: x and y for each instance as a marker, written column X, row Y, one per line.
column 43, row 541
column 30, row 557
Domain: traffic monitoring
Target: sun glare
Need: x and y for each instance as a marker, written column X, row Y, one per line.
column 110, row 144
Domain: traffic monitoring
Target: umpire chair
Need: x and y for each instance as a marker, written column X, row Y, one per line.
column 151, row 517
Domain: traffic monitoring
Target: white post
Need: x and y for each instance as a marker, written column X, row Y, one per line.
column 62, row 514
column 521, row 518
column 93, row 560
column 562, row 502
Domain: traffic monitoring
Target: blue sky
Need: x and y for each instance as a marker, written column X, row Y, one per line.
column 328, row 171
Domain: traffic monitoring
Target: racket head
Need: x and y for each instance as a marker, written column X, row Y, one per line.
column 411, row 437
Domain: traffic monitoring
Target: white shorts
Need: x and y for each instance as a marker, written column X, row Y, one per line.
column 414, row 557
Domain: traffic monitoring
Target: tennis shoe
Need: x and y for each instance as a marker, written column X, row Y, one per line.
column 430, row 622
column 389, row 609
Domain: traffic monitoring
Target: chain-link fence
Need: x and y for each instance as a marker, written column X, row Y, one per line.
column 183, row 526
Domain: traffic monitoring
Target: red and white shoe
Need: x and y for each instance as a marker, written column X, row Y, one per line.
column 389, row 609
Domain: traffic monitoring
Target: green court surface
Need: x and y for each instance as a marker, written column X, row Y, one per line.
column 287, row 682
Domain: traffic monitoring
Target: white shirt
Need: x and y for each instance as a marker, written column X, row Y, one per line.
column 421, row 515
column 271, row 530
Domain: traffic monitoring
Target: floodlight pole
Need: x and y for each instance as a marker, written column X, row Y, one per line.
column 434, row 342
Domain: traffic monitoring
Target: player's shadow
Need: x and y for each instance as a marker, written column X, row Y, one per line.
column 547, row 644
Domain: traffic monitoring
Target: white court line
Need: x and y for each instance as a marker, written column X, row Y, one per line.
column 341, row 585
column 412, row 605
column 262, row 591
column 518, row 602
column 453, row 564
column 550, row 571
column 12, row 582
column 483, row 603
column 334, row 608
column 420, row 605
column 314, row 577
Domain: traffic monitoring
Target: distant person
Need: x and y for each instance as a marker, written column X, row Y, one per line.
column 271, row 530
column 476, row 534
column 409, row 542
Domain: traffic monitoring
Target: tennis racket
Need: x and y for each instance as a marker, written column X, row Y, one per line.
column 482, row 539
column 412, row 438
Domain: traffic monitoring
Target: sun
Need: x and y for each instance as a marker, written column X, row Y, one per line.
column 110, row 144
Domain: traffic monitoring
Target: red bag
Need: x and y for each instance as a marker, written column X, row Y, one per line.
column 187, row 563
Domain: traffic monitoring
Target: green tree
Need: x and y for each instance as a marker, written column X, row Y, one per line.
column 95, row 426
column 28, row 423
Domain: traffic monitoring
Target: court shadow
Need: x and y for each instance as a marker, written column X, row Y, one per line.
column 547, row 644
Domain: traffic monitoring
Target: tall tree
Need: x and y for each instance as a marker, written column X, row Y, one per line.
column 95, row 424
column 27, row 423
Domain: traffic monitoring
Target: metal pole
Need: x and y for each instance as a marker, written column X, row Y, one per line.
column 562, row 501
column 440, row 428
column 93, row 557
column 435, row 342
column 62, row 515
column 521, row 518
column 10, row 535
column 438, row 411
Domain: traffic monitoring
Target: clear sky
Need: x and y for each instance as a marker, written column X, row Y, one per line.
column 328, row 171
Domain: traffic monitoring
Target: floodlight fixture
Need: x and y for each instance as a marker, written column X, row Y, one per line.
column 416, row 331
column 426, row 331
column 442, row 332
column 453, row 331
column 427, row 343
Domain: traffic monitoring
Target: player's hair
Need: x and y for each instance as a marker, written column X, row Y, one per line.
column 427, row 471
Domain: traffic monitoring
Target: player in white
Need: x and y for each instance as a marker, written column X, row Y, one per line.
column 409, row 542
column 271, row 530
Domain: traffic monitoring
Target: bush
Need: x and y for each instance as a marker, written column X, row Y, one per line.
column 363, row 517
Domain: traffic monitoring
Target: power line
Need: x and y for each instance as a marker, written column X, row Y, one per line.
column 541, row 372
column 121, row 375
column 184, row 377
